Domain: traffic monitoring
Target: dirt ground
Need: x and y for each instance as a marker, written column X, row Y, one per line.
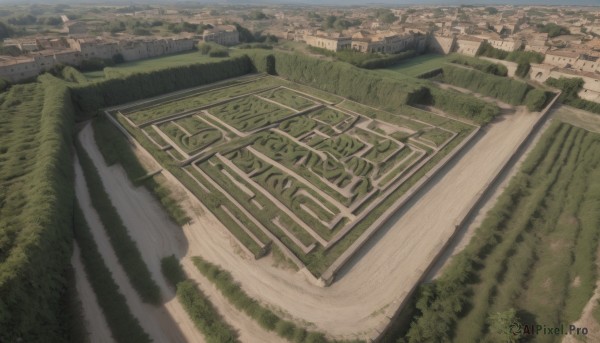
column 372, row 283
column 156, row 237
column 95, row 323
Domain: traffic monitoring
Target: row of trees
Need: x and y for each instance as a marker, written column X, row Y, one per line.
column 508, row 90
column 198, row 306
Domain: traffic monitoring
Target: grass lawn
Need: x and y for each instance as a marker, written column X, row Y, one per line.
column 155, row 63
column 418, row 65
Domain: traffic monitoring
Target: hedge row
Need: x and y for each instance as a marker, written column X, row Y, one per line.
column 202, row 312
column 570, row 88
column 387, row 61
column 368, row 87
column 124, row 246
column 123, row 325
column 243, row 302
column 522, row 58
column 481, row 65
column 508, row 90
column 90, row 97
column 34, row 265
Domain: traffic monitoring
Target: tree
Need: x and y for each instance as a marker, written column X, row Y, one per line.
column 491, row 10
column 506, row 326
column 5, row 30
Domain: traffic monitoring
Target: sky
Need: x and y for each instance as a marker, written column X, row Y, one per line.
column 333, row 2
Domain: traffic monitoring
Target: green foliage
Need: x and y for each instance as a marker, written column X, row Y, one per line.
column 536, row 99
column 123, row 325
column 124, row 246
column 365, row 60
column 462, row 105
column 92, row 96
column 553, row 30
column 204, row 315
column 243, row 302
column 522, row 58
column 202, row 312
column 36, row 198
column 505, row 326
column 116, row 149
column 71, row 74
column 479, row 64
column 510, row 91
column 570, row 88
column 6, row 31
column 172, row 270
column 4, row 84
column 506, row 265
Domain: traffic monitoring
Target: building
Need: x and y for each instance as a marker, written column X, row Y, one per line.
column 468, row 45
column 222, row 34
column 332, row 42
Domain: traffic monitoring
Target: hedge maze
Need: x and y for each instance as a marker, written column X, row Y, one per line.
column 279, row 163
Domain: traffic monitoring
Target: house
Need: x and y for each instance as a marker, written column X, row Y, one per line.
column 222, row 34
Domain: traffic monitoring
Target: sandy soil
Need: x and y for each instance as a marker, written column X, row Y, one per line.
column 377, row 279
column 96, row 326
column 156, row 237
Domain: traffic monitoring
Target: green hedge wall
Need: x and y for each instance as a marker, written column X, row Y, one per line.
column 93, row 96
column 32, row 272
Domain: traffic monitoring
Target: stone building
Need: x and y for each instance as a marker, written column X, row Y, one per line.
column 468, row 45
column 332, row 42
column 222, row 34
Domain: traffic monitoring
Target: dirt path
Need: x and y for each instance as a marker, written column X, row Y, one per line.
column 463, row 238
column 95, row 323
column 387, row 267
column 155, row 320
column 156, row 237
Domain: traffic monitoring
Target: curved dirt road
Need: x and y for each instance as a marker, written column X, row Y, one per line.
column 373, row 283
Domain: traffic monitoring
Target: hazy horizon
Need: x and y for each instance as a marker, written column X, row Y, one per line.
column 323, row 2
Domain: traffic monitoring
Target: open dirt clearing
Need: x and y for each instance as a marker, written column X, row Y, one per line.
column 156, row 237
column 95, row 323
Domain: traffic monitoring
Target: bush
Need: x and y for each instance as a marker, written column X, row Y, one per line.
column 124, row 327
column 481, row 65
column 36, row 216
column 172, row 270
column 202, row 312
column 570, row 88
column 124, row 246
column 265, row 317
column 93, row 96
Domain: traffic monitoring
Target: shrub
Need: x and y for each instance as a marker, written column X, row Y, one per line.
column 172, row 270
column 570, row 88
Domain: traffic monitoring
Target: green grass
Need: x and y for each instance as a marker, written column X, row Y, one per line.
column 417, row 65
column 123, row 326
column 152, row 64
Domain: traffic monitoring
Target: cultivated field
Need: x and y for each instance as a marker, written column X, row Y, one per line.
column 286, row 165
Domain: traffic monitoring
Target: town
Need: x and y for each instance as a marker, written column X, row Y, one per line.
column 568, row 40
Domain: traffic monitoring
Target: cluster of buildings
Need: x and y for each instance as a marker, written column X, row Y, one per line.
column 45, row 54
column 388, row 42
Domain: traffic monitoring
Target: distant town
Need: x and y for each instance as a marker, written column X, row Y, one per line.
column 569, row 38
